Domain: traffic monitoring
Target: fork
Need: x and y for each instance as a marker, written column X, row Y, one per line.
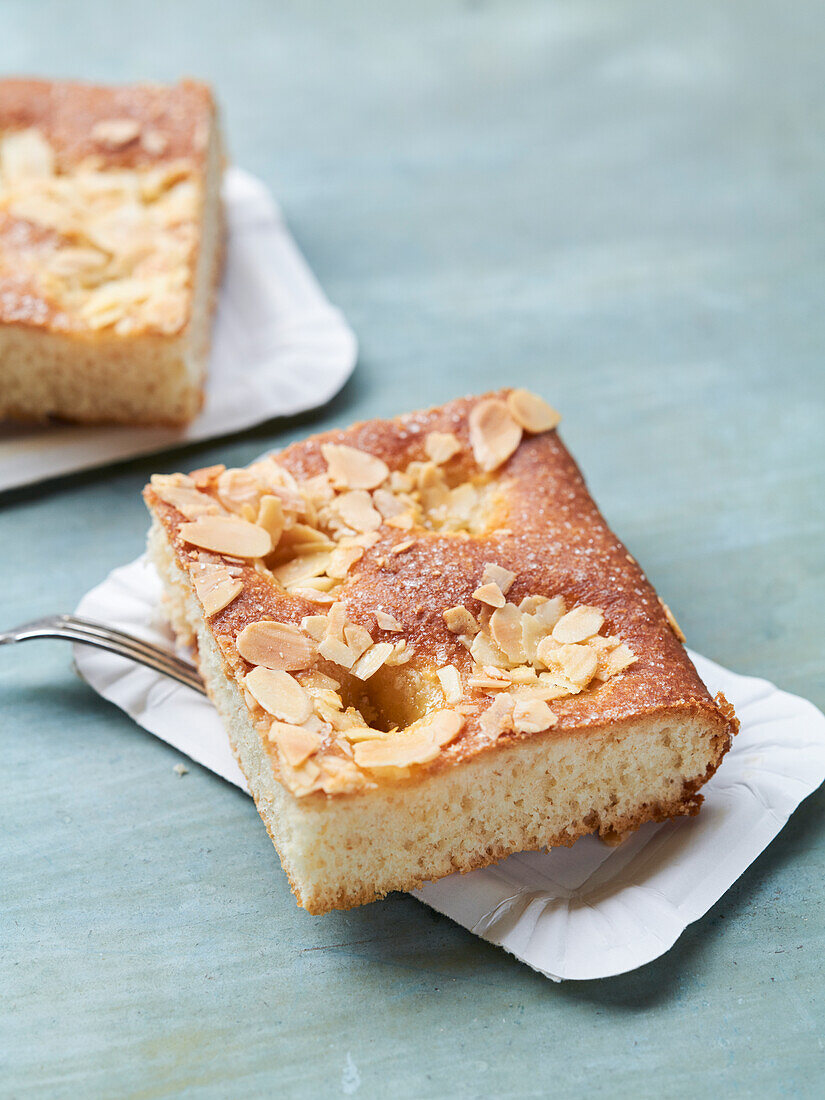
column 86, row 632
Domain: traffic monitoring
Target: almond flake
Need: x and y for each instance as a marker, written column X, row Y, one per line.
column 315, row 625
column 494, row 435
column 498, row 717
column 461, row 621
column 215, row 588
column 400, row 547
column 311, row 594
column 333, row 649
column 404, row 522
column 369, row 662
column 486, row 652
column 279, row 694
column 386, row 621
column 578, row 663
column 532, row 412
column 319, row 681
column 188, row 501
column 339, row 776
column 532, row 716
column 490, row 594
column 227, row 535
column 506, row 631
column 342, row 560
column 238, row 487
column 350, row 468
column 401, row 654
column 357, row 638
column 671, row 618
column 617, row 661
column 302, row 568
column 115, row 133
column 440, row 447
column 276, row 646
column 450, row 683
column 496, row 574
column 443, row 725
column 296, row 744
column 356, row 510
column 271, row 517
column 578, row 625
column 388, row 504
column 390, row 754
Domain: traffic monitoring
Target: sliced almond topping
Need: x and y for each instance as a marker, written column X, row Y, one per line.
column 671, row 618
column 115, row 133
column 490, row 594
column 615, row 661
column 333, row 649
column 271, row 517
column 390, row 754
column 279, row 694
column 450, row 683
column 315, row 625
column 216, row 588
column 295, row 743
column 388, row 504
column 387, row 622
column 205, row 476
column 358, row 639
column 337, row 619
column 532, row 412
column 401, row 654
column 400, row 547
column 302, row 568
column 506, row 631
column 498, row 717
column 494, row 435
column 154, row 142
column 276, row 646
column 461, row 621
column 188, row 501
column 578, row 625
column 342, row 559
column 578, row 663
column 319, row 681
column 356, row 510
column 532, row 716
column 237, row 488
column 404, row 522
column 338, row 776
column 443, row 725
column 303, row 780
column 311, row 594
column 486, row 652
column 441, row 446
column 481, row 681
column 369, row 662
column 227, row 535
column 496, row 574
column 350, row 468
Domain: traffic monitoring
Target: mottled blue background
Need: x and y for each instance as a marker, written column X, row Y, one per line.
column 619, row 204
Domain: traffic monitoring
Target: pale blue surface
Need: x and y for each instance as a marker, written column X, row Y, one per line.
column 618, row 204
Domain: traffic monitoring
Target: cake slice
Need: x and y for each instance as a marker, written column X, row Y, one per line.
column 111, row 240
column 429, row 650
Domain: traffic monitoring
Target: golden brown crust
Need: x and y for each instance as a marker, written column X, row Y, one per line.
column 548, row 531
column 66, row 112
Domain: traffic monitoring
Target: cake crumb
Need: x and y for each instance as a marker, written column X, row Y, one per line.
column 180, row 769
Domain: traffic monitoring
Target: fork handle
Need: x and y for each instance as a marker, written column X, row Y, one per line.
column 86, row 632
